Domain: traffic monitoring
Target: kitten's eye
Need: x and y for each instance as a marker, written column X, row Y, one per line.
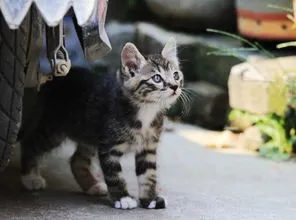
column 176, row 76
column 157, row 78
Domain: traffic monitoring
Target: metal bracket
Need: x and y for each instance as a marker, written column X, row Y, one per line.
column 56, row 51
column 93, row 37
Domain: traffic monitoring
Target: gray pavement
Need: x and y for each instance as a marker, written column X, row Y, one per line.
column 199, row 183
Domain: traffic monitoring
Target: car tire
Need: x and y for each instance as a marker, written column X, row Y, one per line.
column 13, row 64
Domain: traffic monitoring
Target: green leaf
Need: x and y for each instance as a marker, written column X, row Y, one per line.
column 282, row 8
column 235, row 113
column 232, row 36
column 255, row 45
column 272, row 152
column 263, row 50
column 286, row 44
column 272, row 125
column 221, row 53
column 292, row 85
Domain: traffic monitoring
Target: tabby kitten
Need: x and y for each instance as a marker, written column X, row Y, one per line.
column 107, row 117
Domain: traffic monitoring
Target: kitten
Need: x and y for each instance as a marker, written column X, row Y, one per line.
column 107, row 117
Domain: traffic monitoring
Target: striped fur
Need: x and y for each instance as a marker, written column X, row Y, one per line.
column 107, row 117
column 85, row 172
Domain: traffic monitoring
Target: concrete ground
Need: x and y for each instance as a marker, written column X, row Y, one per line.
column 199, row 183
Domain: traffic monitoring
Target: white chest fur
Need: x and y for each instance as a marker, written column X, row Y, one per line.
column 146, row 115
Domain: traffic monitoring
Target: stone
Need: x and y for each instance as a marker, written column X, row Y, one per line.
column 207, row 105
column 252, row 138
column 195, row 15
column 249, row 141
column 260, row 87
column 227, row 139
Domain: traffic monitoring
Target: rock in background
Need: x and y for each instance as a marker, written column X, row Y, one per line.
column 195, row 15
column 208, row 105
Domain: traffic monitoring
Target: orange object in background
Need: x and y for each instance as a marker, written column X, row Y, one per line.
column 257, row 20
column 294, row 8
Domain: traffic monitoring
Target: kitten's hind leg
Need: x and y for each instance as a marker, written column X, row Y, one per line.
column 87, row 171
column 33, row 148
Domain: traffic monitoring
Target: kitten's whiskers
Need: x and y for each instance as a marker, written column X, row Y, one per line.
column 186, row 100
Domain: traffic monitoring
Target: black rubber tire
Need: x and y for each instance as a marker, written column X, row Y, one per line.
column 13, row 62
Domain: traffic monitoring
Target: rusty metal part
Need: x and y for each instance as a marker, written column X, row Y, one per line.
column 56, row 51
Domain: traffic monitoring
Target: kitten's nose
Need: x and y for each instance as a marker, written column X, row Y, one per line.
column 174, row 87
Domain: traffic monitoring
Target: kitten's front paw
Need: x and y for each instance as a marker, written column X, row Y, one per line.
column 99, row 189
column 33, row 182
column 157, row 203
column 126, row 203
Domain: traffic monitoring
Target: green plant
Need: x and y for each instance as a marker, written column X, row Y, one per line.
column 280, row 145
column 253, row 47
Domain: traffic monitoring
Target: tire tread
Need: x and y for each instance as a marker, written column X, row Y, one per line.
column 13, row 55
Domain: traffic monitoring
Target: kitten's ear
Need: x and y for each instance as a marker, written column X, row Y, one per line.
column 169, row 51
column 131, row 57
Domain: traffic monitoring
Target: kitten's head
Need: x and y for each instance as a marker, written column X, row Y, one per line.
column 155, row 79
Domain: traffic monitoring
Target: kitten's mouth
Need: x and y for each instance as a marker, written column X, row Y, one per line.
column 175, row 93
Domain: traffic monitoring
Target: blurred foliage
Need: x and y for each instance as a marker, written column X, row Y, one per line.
column 281, row 130
column 278, row 146
column 235, row 52
column 291, row 86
